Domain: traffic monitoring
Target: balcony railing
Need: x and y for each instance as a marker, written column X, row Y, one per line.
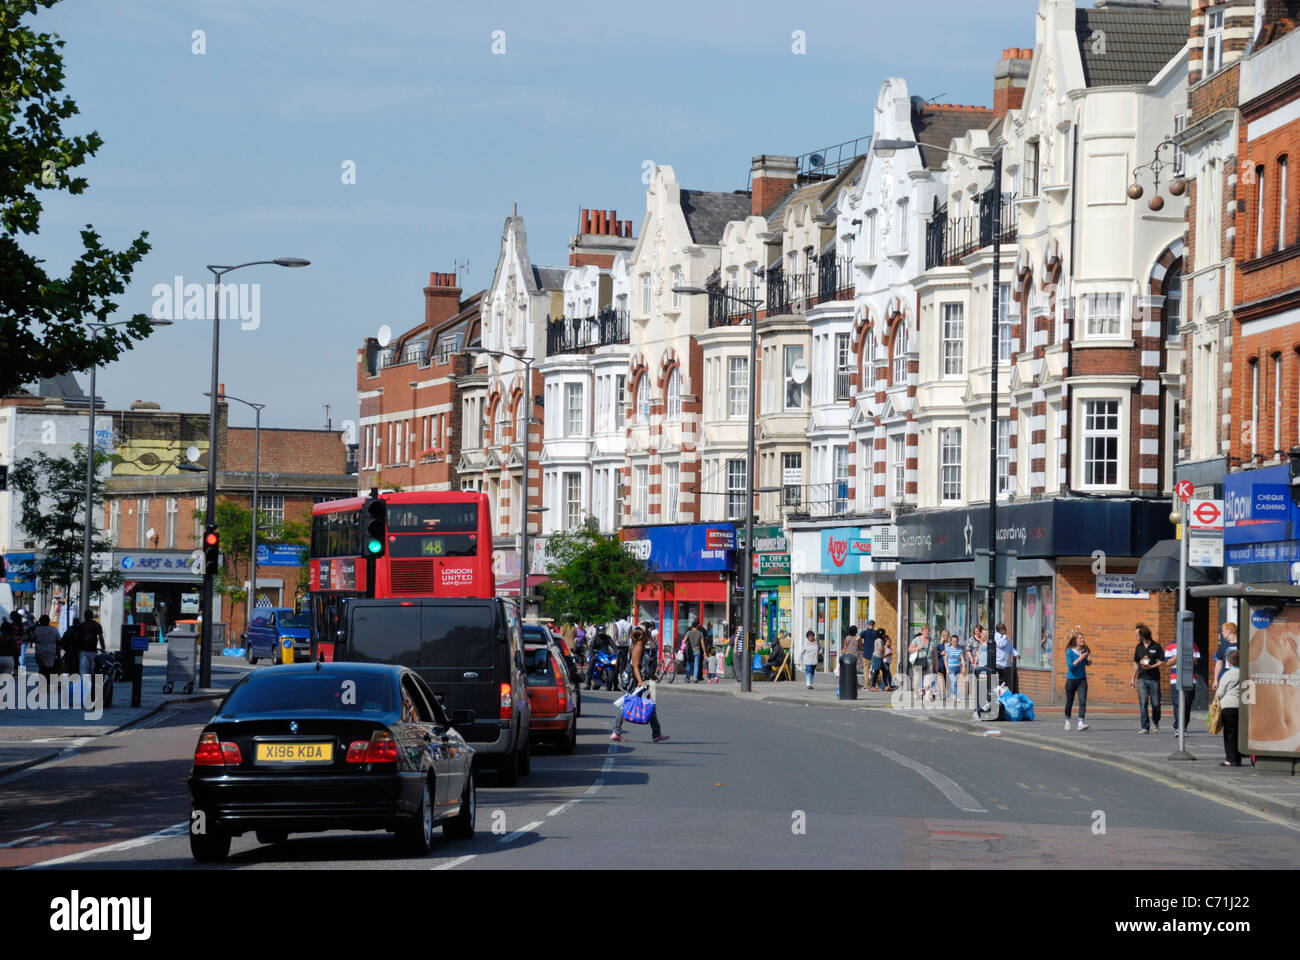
column 948, row 240
column 583, row 334
column 816, row 499
column 727, row 307
column 778, row 299
column 834, row 277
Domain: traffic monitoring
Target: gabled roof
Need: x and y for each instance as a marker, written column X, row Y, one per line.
column 824, row 190
column 943, row 123
column 1126, row 45
column 707, row 213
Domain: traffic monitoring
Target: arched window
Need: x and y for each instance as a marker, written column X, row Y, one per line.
column 1282, row 211
column 643, row 399
column 1174, row 299
column 675, row 395
column 868, row 358
column 900, row 355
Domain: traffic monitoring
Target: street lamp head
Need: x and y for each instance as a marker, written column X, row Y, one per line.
column 694, row 291
column 160, row 323
column 887, row 148
column 291, row 262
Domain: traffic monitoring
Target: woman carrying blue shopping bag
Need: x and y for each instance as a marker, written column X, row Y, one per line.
column 637, row 706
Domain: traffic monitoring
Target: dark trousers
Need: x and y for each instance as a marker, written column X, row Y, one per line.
column 1230, row 736
column 1081, row 687
column 1148, row 693
column 1007, row 675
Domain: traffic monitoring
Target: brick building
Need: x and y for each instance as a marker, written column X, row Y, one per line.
column 409, row 432
column 150, row 506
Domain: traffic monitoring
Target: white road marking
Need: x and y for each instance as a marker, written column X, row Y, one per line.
column 64, row 754
column 563, row 807
column 609, row 765
column 175, row 830
column 14, row 843
column 528, row 828
column 455, row 863
column 595, row 787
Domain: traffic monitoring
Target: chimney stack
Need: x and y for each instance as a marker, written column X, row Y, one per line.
column 772, row 177
column 584, row 223
column 441, row 298
column 1010, row 78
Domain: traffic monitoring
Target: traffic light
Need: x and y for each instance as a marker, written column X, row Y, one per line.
column 211, row 549
column 374, row 527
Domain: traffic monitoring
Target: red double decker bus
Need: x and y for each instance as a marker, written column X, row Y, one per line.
column 436, row 544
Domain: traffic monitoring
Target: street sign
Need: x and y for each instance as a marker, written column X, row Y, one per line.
column 1207, row 515
column 1205, row 550
column 1184, row 488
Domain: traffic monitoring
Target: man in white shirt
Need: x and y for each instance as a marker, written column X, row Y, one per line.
column 1006, row 657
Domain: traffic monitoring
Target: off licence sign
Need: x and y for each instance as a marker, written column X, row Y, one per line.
column 1206, row 515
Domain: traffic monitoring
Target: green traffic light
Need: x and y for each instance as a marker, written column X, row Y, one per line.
column 375, row 546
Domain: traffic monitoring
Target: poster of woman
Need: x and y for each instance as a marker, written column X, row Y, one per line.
column 1273, row 671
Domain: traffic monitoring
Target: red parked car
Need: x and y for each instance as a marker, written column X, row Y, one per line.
column 552, row 697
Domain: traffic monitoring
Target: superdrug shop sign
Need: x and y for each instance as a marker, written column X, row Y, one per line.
column 1047, row 528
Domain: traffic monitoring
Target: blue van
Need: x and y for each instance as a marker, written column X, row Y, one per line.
column 266, row 628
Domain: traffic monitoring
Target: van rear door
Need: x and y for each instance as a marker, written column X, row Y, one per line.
column 383, row 632
column 461, row 652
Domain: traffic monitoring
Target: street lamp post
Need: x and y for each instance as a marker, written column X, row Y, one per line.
column 250, row 601
column 527, row 400
column 886, row 148
column 90, row 468
column 218, row 271
column 747, row 614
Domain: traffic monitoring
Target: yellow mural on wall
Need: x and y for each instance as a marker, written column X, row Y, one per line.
column 155, row 457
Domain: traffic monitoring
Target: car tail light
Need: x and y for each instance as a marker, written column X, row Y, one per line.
column 380, row 748
column 507, row 701
column 559, row 684
column 211, row 752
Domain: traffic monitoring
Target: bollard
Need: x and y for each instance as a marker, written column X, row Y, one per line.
column 286, row 649
column 137, row 678
column 848, row 688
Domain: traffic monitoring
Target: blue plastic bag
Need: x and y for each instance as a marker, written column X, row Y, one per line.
column 1011, row 707
column 637, row 709
column 1026, row 707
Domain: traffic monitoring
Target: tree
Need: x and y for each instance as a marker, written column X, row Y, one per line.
column 592, row 578
column 53, row 491
column 235, row 523
column 42, row 331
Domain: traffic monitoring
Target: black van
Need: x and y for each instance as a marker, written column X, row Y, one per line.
column 471, row 654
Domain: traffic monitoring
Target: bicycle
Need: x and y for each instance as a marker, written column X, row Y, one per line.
column 667, row 668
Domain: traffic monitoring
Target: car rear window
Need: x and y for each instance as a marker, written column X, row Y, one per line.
column 457, row 637
column 538, row 663
column 385, row 634
column 324, row 691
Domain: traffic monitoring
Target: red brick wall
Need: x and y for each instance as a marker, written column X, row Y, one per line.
column 287, row 451
column 1107, row 627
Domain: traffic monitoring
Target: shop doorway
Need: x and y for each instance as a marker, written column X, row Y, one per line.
column 950, row 610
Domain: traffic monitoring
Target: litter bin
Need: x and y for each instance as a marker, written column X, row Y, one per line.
column 182, row 650
column 848, row 689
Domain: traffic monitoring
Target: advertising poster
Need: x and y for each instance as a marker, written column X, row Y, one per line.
column 1272, row 724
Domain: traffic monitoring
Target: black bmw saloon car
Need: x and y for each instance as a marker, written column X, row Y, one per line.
column 330, row 746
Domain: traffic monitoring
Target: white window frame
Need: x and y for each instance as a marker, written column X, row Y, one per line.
column 573, row 425
column 737, row 387
column 642, row 475
column 950, row 464
column 1282, row 210
column 643, row 400
column 272, row 505
column 900, row 356
column 1098, row 311
column 620, row 400
column 844, row 366
column 840, row 477
column 871, row 236
column 572, row 491
column 200, row 508
column 141, row 521
column 677, row 282
column 1212, row 62
column 115, row 523
column 1260, row 176
column 672, row 491
column 735, row 488
column 791, row 354
column 1277, row 402
column 1004, row 456
column 675, row 394
column 904, row 231
column 1089, row 429
column 953, row 330
column 172, row 512
column 645, row 294
column 791, row 493
column 1005, row 326
column 1254, row 407
column 1029, row 177
column 897, row 466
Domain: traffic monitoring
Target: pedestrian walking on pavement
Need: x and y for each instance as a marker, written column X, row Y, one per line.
column 92, row 640
column 639, row 639
column 877, row 642
column 1006, row 656
column 1148, row 658
column 1227, row 641
column 1228, row 693
column 1077, row 660
column 1171, row 658
column 852, row 645
column 954, row 664
column 694, row 643
column 886, row 660
column 808, row 655
column 918, row 657
column 11, row 639
column 47, row 647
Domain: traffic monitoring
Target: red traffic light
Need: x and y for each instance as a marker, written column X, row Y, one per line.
column 210, row 538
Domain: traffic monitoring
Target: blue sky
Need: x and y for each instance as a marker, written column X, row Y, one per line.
column 237, row 154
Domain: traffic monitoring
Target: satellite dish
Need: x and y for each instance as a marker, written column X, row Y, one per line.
column 385, row 335
column 816, row 160
column 192, row 454
column 799, row 372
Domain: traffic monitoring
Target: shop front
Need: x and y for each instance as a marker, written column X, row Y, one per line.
column 1062, row 564
column 771, row 573
column 692, row 566
column 159, row 588
column 836, row 579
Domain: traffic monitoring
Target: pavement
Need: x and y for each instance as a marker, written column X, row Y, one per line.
column 33, row 736
column 1113, row 737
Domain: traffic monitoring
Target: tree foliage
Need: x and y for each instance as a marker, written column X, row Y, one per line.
column 42, row 317
column 52, row 515
column 592, row 578
column 235, row 524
